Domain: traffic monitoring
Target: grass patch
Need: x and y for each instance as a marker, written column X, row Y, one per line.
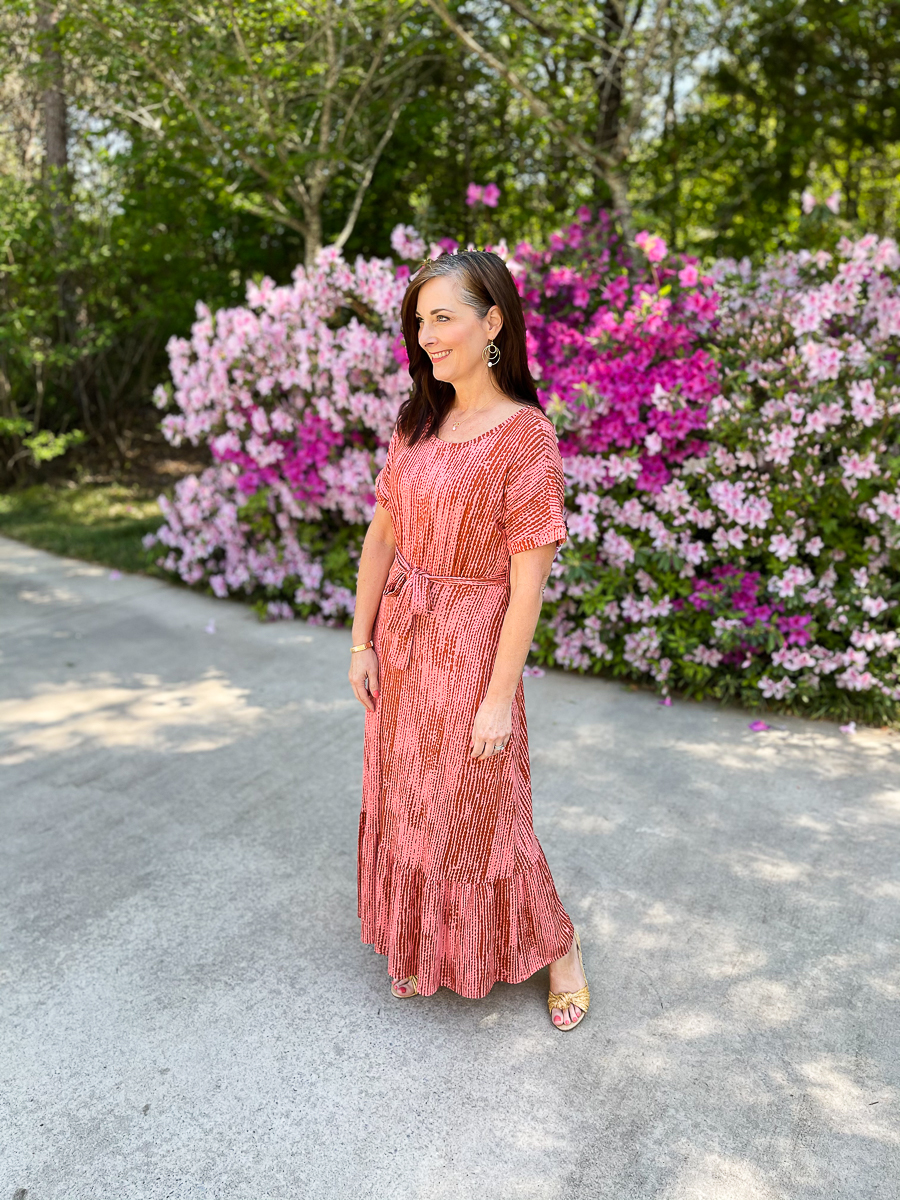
column 99, row 523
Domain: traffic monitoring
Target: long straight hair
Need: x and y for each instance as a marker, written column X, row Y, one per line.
column 483, row 280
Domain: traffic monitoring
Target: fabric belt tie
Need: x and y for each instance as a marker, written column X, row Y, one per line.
column 414, row 600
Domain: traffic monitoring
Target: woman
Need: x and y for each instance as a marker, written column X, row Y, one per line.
column 453, row 885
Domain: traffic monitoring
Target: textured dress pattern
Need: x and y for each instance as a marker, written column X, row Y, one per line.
column 452, row 883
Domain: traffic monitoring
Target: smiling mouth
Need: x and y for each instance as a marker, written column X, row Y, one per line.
column 442, row 354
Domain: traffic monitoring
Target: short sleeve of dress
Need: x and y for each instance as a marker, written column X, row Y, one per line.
column 383, row 478
column 534, row 498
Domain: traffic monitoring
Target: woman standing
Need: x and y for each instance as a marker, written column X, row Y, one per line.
column 453, row 885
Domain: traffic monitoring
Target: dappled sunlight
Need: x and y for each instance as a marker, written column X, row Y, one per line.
column 887, row 806
column 886, row 986
column 764, row 1002
column 578, row 819
column 108, row 712
column 869, row 1112
column 732, row 959
column 82, row 570
column 47, row 595
column 323, row 706
column 805, row 821
column 686, row 1025
column 886, row 889
column 717, row 1177
column 771, row 868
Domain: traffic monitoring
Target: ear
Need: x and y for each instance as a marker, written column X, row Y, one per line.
column 494, row 321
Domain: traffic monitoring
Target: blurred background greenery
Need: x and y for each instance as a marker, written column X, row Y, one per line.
column 155, row 154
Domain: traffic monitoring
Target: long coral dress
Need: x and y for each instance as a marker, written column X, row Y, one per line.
column 452, row 883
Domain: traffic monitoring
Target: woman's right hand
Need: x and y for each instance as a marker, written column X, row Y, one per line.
column 363, row 665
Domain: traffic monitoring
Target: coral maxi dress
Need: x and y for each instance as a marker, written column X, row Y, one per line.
column 453, row 885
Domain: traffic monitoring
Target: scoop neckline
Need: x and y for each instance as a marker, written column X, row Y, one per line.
column 487, row 432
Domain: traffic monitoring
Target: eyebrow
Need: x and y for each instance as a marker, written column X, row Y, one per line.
column 435, row 310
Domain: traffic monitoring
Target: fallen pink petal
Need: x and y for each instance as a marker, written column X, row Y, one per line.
column 114, row 575
column 850, row 727
column 211, row 626
column 758, row 727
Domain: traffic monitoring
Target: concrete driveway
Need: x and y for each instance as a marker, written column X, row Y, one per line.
column 188, row 1012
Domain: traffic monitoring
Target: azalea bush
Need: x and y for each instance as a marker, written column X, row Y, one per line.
column 728, row 439
column 765, row 566
column 296, row 394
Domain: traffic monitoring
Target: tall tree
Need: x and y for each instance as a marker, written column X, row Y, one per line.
column 267, row 103
column 799, row 95
column 53, row 99
column 589, row 72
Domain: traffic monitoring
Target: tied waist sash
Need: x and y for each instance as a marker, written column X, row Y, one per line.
column 414, row 600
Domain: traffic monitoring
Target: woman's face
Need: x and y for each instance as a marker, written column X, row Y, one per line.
column 451, row 333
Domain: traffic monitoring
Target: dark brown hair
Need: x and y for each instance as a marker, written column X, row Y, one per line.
column 482, row 279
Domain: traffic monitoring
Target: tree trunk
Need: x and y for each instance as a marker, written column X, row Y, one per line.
column 58, row 182
column 313, row 219
column 53, row 99
column 609, row 90
column 609, row 108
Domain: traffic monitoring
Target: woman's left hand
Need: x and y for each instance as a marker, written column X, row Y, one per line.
column 492, row 727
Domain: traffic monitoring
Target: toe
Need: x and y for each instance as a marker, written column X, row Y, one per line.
column 557, row 1017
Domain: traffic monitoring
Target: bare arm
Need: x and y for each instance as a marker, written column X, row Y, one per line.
column 374, row 563
column 528, row 572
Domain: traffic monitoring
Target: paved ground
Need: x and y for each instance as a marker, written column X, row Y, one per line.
column 188, row 1012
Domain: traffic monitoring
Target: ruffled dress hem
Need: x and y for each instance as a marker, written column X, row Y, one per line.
column 457, row 934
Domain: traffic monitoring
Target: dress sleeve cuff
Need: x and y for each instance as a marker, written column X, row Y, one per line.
column 543, row 537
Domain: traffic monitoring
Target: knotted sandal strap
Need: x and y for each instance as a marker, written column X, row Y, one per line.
column 581, row 998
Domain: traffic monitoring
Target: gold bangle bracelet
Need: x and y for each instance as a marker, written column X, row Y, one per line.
column 364, row 646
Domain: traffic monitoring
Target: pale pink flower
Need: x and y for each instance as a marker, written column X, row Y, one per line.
column 782, row 547
column 618, row 549
column 653, row 246
column 858, row 466
column 406, row 242
column 874, row 606
column 864, row 404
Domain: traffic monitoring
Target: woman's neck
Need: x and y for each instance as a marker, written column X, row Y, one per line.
column 476, row 394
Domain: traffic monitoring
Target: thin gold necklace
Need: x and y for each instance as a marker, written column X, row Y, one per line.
column 476, row 410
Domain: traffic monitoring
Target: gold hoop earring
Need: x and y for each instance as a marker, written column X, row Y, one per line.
column 491, row 353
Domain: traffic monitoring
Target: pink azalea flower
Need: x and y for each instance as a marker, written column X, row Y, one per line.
column 653, row 246
column 490, row 195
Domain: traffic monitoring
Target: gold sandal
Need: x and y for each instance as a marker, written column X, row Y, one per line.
column 413, row 979
column 561, row 1000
